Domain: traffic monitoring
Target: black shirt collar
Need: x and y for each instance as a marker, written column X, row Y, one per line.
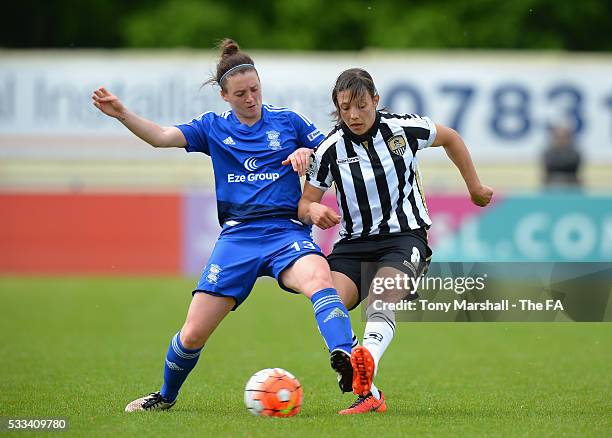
column 371, row 133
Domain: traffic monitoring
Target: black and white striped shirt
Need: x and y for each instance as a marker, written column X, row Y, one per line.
column 378, row 188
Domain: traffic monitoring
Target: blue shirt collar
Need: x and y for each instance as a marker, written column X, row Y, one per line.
column 245, row 128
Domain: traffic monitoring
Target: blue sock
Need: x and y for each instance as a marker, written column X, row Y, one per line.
column 179, row 363
column 333, row 320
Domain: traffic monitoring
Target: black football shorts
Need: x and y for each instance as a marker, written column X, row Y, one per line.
column 360, row 259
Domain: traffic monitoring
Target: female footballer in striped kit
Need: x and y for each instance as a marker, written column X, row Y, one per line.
column 371, row 158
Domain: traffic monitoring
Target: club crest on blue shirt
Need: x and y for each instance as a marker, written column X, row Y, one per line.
column 397, row 144
column 274, row 140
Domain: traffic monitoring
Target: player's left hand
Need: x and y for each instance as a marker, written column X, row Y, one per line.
column 482, row 195
column 299, row 160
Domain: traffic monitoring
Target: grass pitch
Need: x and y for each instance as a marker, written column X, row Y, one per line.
column 82, row 348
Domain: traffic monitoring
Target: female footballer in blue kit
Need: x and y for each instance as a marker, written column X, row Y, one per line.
column 371, row 158
column 251, row 147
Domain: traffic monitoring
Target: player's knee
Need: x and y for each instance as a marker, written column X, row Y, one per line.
column 192, row 338
column 321, row 281
column 317, row 280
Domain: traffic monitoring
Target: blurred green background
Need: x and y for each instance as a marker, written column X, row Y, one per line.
column 311, row 24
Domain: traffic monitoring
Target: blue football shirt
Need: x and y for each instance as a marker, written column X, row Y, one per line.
column 250, row 181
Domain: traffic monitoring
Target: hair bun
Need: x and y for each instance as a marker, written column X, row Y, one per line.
column 228, row 47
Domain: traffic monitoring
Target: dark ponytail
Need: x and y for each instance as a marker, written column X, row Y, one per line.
column 231, row 57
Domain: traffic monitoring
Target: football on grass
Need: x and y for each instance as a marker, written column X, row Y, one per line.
column 273, row 392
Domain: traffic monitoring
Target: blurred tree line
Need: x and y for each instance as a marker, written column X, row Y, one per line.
column 580, row 25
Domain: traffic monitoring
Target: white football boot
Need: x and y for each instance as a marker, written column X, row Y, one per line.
column 151, row 402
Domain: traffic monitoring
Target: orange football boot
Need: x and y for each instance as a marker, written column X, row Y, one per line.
column 363, row 370
column 365, row 404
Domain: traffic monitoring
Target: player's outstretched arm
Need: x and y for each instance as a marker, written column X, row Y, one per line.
column 458, row 152
column 311, row 211
column 155, row 135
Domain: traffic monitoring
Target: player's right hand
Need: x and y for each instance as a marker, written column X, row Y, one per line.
column 482, row 195
column 108, row 103
column 323, row 216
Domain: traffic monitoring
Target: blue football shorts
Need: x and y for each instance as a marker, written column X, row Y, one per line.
column 253, row 249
